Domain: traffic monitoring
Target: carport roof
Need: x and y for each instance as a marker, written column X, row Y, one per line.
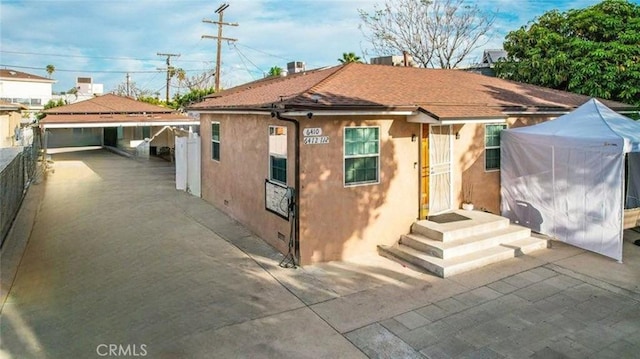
column 112, row 110
column 108, row 104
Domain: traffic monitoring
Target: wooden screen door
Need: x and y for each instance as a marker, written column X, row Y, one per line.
column 439, row 168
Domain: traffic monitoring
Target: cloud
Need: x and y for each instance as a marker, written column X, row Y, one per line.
column 105, row 39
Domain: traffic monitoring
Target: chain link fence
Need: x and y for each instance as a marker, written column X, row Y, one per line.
column 18, row 169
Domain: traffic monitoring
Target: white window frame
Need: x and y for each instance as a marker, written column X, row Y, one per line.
column 345, row 157
column 504, row 127
column 278, row 155
column 216, row 141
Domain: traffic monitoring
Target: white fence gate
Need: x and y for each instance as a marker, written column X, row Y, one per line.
column 187, row 152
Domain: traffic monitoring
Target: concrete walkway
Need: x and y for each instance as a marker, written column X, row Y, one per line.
column 116, row 258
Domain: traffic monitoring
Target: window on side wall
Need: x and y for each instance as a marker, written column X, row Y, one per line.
column 215, row 141
column 278, row 154
column 361, row 155
column 492, row 146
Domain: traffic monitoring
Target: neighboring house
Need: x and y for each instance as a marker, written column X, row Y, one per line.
column 30, row 90
column 114, row 121
column 364, row 150
column 85, row 89
column 489, row 59
column 397, row 60
column 10, row 124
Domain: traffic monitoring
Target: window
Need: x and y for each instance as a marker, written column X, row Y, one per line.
column 361, row 155
column 215, row 141
column 278, row 154
column 492, row 146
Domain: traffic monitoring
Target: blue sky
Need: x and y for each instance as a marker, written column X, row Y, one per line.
column 105, row 39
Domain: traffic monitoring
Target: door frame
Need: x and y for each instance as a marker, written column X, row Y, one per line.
column 426, row 129
column 423, row 189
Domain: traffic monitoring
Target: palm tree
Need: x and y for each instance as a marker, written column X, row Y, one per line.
column 275, row 71
column 50, row 69
column 348, row 57
column 181, row 75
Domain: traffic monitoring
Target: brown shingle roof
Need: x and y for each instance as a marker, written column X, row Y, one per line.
column 11, row 106
column 108, row 104
column 19, row 75
column 442, row 93
column 263, row 92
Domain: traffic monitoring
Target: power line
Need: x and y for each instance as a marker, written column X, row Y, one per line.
column 265, row 53
column 150, row 80
column 98, row 71
column 66, row 70
column 244, row 64
column 88, row 57
column 243, row 55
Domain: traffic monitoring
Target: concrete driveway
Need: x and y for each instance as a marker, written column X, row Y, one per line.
column 119, row 263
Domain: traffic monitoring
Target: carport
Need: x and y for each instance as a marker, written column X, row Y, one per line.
column 113, row 121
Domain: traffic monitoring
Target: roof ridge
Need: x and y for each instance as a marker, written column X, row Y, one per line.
column 102, row 105
column 324, row 81
column 266, row 81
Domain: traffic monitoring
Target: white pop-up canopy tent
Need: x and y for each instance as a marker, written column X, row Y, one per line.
column 566, row 177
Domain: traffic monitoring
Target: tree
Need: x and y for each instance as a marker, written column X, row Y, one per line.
column 134, row 91
column 181, row 75
column 51, row 104
column 200, row 81
column 435, row 33
column 179, row 102
column 274, row 71
column 193, row 96
column 50, row 69
column 593, row 51
column 348, row 57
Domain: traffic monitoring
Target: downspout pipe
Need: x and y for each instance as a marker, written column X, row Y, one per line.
column 296, row 208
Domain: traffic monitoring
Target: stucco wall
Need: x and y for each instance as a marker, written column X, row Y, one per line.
column 469, row 163
column 8, row 122
column 236, row 183
column 26, row 90
column 339, row 222
column 336, row 222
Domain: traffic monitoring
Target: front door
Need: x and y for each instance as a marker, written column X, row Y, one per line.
column 439, row 162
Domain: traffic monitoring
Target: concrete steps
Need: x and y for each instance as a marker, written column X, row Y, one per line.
column 450, row 248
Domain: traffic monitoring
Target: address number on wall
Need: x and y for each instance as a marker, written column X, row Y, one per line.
column 317, row 140
column 315, row 131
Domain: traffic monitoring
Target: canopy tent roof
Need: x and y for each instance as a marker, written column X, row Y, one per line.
column 591, row 122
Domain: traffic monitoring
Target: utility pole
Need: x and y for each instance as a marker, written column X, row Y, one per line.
column 128, row 81
column 169, row 69
column 220, row 23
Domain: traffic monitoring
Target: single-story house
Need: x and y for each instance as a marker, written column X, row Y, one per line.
column 115, row 121
column 342, row 159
